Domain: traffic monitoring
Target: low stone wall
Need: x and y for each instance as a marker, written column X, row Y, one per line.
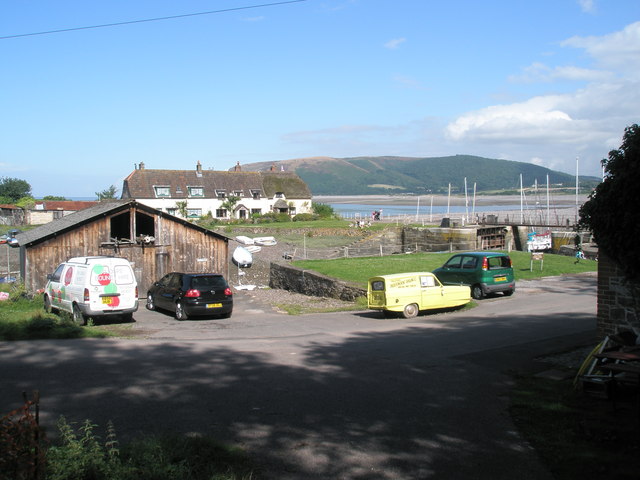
column 307, row 282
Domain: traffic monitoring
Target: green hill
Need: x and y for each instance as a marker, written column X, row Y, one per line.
column 410, row 175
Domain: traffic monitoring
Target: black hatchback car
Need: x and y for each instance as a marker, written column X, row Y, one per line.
column 191, row 294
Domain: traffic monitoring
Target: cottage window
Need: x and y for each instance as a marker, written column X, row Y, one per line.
column 172, row 211
column 279, row 194
column 221, row 213
column 196, row 191
column 256, row 211
column 237, row 193
column 221, row 193
column 194, row 212
column 162, row 191
column 255, row 194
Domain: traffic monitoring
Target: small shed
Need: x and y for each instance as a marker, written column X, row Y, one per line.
column 154, row 242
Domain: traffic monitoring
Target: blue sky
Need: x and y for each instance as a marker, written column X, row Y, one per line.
column 541, row 81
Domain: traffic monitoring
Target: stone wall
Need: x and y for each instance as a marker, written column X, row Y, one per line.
column 288, row 277
column 617, row 308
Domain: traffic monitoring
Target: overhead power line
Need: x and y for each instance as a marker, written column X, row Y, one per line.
column 157, row 19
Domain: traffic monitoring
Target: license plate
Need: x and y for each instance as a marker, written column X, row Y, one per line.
column 500, row 279
column 106, row 300
column 214, row 305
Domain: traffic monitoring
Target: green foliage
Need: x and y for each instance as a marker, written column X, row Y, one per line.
column 14, row 189
column 81, row 455
column 273, row 217
column 107, row 194
column 612, row 213
column 54, row 198
column 305, row 217
column 26, row 203
column 323, row 210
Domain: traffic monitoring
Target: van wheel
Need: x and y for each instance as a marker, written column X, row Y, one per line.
column 476, row 292
column 47, row 305
column 180, row 313
column 150, row 304
column 78, row 318
column 410, row 310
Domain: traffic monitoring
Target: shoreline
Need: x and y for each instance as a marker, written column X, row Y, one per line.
column 442, row 200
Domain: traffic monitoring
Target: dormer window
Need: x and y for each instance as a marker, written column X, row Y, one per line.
column 237, row 193
column 179, row 190
column 279, row 194
column 221, row 194
column 196, row 191
column 162, row 191
column 255, row 194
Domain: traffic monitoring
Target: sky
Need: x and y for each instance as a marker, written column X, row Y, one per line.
column 548, row 82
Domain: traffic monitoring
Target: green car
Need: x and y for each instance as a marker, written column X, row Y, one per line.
column 484, row 272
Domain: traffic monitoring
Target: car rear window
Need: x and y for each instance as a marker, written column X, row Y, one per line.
column 498, row 262
column 377, row 285
column 208, row 282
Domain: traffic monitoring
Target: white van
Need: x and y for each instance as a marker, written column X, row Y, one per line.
column 92, row 287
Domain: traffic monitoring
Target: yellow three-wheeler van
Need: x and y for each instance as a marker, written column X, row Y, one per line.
column 408, row 293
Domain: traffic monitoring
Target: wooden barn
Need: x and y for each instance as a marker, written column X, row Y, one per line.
column 154, row 242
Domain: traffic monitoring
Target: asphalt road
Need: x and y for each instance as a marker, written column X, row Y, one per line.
column 340, row 396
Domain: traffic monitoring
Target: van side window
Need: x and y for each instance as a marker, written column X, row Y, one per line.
column 123, row 275
column 427, row 281
column 454, row 262
column 55, row 277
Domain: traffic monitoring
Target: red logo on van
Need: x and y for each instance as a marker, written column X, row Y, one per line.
column 104, row 279
column 68, row 275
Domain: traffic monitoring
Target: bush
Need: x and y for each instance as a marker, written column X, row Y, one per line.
column 305, row 217
column 323, row 210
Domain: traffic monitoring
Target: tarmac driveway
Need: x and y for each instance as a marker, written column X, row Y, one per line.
column 343, row 395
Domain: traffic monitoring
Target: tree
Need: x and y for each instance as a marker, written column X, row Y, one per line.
column 611, row 212
column 53, row 198
column 181, row 206
column 14, row 189
column 229, row 204
column 108, row 194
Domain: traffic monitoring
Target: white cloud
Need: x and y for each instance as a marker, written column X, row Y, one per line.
column 587, row 6
column 619, row 51
column 395, row 43
column 554, row 128
column 539, row 72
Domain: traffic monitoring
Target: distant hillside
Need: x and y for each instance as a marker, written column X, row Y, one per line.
column 409, row 175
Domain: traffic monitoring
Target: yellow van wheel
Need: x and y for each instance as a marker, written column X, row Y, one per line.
column 410, row 310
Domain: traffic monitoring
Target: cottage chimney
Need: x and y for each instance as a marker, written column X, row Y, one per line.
column 199, row 167
column 141, row 166
column 237, row 168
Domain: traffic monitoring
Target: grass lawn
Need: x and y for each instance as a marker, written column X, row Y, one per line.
column 359, row 270
column 23, row 318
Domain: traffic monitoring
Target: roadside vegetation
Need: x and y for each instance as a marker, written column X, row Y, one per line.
column 22, row 317
column 81, row 453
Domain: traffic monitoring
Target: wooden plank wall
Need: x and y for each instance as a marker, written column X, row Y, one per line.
column 177, row 248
